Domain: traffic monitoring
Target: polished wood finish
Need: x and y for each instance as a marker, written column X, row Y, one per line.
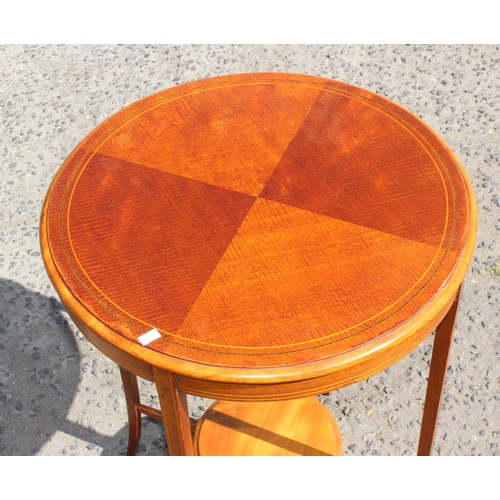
column 437, row 374
column 285, row 234
column 175, row 413
column 132, row 396
column 297, row 427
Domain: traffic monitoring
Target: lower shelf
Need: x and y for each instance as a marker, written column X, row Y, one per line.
column 295, row 427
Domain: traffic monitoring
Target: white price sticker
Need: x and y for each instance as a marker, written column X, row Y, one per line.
column 149, row 336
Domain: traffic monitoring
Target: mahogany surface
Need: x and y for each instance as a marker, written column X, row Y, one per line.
column 285, row 234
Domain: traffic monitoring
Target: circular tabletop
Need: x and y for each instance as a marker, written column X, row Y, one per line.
column 262, row 224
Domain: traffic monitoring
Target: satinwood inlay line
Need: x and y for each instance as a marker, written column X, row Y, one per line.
column 443, row 252
column 144, row 328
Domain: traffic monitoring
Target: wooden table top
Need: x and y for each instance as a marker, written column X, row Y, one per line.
column 261, row 223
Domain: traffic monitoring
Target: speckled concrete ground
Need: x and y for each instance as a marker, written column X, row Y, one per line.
column 60, row 396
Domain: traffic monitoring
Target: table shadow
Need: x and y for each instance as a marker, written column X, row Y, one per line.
column 40, row 371
column 257, row 433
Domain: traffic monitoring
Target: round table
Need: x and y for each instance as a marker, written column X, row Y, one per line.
column 260, row 239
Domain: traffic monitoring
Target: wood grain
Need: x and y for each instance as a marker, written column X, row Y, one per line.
column 175, row 412
column 149, row 272
column 273, row 228
column 352, row 162
column 299, row 427
column 132, row 396
column 437, row 374
column 287, row 235
column 257, row 305
column 231, row 136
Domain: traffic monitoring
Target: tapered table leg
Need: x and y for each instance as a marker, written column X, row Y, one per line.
column 437, row 374
column 132, row 397
column 175, row 413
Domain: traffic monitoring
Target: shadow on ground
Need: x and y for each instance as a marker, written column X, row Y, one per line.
column 40, row 377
